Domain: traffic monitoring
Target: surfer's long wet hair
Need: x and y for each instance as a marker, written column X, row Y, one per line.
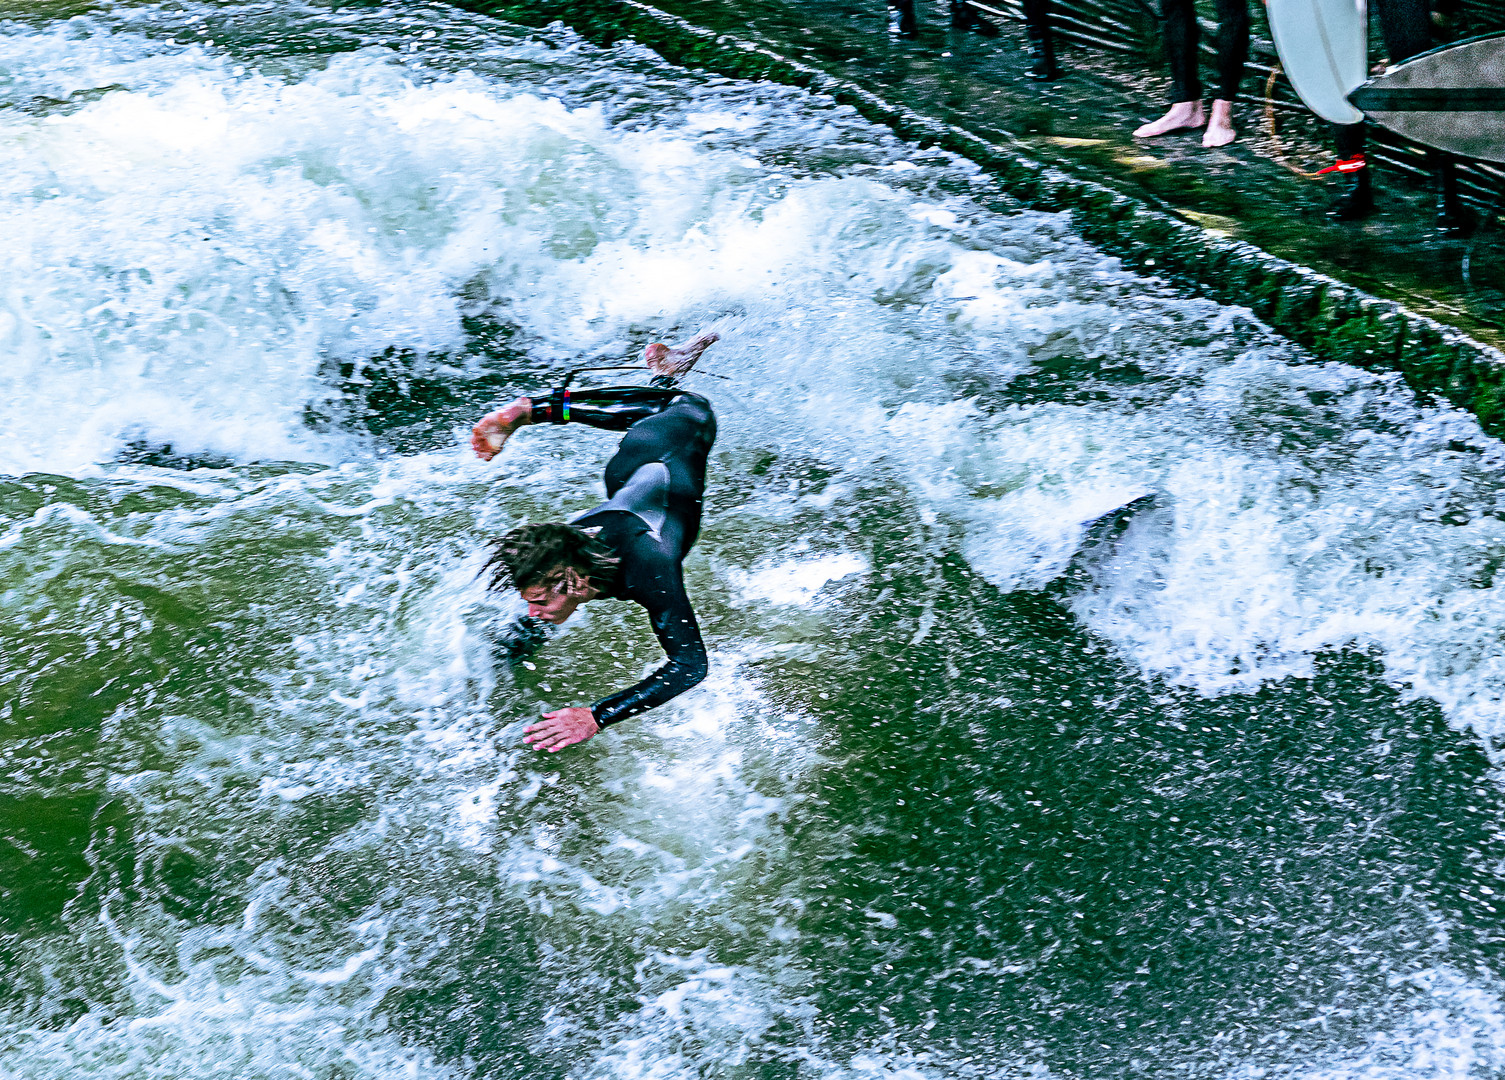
column 550, row 555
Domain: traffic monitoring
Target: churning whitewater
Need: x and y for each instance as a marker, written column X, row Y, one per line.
column 961, row 797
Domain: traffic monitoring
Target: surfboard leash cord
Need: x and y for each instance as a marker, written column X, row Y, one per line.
column 1346, row 165
column 1270, row 126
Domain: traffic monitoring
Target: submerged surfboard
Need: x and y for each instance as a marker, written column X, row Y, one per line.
column 1452, row 98
column 1324, row 48
column 1100, row 542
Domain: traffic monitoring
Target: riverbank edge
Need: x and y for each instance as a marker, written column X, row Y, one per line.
column 1333, row 319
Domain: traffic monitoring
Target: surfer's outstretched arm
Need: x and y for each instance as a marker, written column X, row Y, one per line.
column 611, row 408
column 686, row 665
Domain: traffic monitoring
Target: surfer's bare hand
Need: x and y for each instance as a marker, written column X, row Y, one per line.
column 493, row 429
column 561, row 728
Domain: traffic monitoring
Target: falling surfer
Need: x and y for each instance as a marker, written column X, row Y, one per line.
column 631, row 547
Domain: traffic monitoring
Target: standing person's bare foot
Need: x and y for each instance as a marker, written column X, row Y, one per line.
column 667, row 363
column 1183, row 114
column 1220, row 130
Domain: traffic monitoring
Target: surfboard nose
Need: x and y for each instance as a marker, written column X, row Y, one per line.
column 1450, row 99
column 1324, row 49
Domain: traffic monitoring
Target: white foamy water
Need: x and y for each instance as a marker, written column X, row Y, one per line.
column 196, row 248
column 797, row 581
column 203, row 233
column 1456, row 1030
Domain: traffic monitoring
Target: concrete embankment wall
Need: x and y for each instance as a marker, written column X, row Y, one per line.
column 1334, row 320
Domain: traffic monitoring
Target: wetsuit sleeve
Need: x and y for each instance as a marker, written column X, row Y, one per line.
column 674, row 623
column 613, row 408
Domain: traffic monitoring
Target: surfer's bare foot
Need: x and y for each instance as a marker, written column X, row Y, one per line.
column 1220, row 130
column 1183, row 114
column 664, row 361
column 494, row 429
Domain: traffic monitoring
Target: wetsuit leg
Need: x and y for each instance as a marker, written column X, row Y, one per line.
column 681, row 437
column 663, row 424
column 1349, row 139
column 1037, row 30
column 1181, row 38
column 1233, row 46
column 1406, row 26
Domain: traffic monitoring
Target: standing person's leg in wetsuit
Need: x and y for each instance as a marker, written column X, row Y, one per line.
column 1040, row 41
column 628, row 548
column 1182, row 35
column 1406, row 26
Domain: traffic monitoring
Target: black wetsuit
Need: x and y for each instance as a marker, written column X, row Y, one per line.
column 655, row 484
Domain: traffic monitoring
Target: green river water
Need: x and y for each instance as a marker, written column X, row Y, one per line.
column 976, row 788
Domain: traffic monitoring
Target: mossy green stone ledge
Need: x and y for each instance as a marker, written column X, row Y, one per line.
column 1334, row 320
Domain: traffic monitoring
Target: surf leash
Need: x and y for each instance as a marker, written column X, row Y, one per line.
column 1345, row 166
column 1280, row 150
column 563, row 389
column 569, row 376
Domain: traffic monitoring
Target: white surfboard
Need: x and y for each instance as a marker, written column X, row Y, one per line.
column 1451, row 98
column 1324, row 49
